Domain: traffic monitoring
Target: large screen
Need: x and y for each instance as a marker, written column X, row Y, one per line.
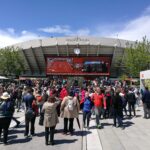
column 78, row 65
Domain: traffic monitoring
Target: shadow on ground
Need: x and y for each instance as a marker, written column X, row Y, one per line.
column 18, row 141
column 58, row 142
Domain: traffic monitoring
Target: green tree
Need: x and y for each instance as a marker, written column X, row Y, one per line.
column 11, row 62
column 137, row 58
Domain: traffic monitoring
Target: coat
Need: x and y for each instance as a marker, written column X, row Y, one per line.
column 63, row 93
column 50, row 114
column 65, row 112
column 6, row 109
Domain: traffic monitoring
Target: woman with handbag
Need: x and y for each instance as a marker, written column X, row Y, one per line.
column 50, row 119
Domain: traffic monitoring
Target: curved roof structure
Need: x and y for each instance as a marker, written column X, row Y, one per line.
column 34, row 52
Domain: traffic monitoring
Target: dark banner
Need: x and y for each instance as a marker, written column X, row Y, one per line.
column 78, row 65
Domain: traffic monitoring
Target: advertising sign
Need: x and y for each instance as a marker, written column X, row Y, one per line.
column 78, row 65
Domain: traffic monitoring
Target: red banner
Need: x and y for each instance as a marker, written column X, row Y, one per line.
column 78, row 65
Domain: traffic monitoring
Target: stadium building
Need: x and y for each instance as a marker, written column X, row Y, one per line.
column 72, row 56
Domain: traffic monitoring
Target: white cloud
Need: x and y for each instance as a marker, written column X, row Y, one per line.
column 134, row 29
column 11, row 30
column 80, row 32
column 57, row 29
column 147, row 10
column 65, row 30
column 10, row 37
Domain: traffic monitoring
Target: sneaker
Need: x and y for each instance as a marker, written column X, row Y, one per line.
column 64, row 133
column 114, row 125
column 26, row 136
column 33, row 135
column 88, row 128
column 51, row 143
column 18, row 123
column 47, row 143
column 99, row 126
column 5, row 143
column 71, row 133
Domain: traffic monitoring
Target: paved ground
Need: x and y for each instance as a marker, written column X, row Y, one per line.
column 135, row 136
column 63, row 142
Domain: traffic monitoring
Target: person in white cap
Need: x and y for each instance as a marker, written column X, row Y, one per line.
column 6, row 112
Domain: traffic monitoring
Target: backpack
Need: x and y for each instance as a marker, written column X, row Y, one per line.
column 39, row 98
column 131, row 98
column 70, row 105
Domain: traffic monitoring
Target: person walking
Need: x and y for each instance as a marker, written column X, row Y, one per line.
column 131, row 99
column 30, row 114
column 6, row 112
column 117, row 109
column 69, row 110
column 50, row 118
column 99, row 103
column 146, row 103
column 87, row 106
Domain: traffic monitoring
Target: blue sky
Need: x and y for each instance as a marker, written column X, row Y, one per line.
column 22, row 20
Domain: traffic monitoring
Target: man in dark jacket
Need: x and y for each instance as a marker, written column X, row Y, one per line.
column 117, row 109
column 131, row 99
column 30, row 115
column 146, row 102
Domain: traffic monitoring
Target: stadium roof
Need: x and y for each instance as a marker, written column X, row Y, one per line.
column 34, row 52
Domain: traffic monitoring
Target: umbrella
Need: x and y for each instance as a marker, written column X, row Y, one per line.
column 78, row 123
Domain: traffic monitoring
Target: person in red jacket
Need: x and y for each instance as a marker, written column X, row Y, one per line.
column 99, row 103
column 63, row 93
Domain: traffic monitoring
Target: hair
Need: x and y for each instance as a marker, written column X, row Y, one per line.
column 117, row 91
column 29, row 90
column 51, row 99
column 71, row 93
column 146, row 87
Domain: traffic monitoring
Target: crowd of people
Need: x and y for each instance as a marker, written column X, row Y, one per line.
column 51, row 99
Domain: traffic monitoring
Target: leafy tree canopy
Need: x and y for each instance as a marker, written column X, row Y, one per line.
column 11, row 62
column 137, row 58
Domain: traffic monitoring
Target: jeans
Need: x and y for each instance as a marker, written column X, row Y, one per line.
column 131, row 105
column 4, row 124
column 117, row 117
column 40, row 108
column 49, row 131
column 70, row 125
column 146, row 111
column 98, row 112
column 88, row 116
column 18, row 103
column 27, row 122
column 125, row 110
column 107, row 112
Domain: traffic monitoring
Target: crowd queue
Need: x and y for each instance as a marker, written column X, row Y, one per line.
column 51, row 99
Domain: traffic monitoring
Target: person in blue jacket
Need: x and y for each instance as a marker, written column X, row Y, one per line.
column 87, row 106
